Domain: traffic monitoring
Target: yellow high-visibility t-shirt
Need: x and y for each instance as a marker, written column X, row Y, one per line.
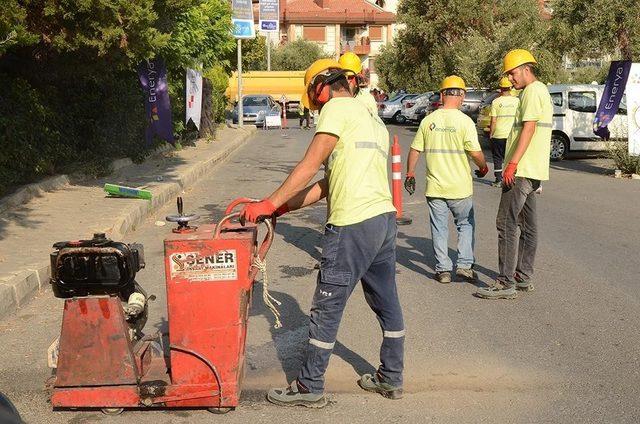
column 446, row 135
column 357, row 167
column 368, row 100
column 503, row 108
column 535, row 105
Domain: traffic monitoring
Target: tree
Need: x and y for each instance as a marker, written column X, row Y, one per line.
column 13, row 30
column 593, row 28
column 464, row 37
column 296, row 55
column 68, row 69
column 254, row 54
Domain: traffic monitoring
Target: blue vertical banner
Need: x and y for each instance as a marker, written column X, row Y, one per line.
column 153, row 78
column 613, row 92
column 242, row 19
column 269, row 17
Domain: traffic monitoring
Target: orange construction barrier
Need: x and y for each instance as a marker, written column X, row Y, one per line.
column 396, row 178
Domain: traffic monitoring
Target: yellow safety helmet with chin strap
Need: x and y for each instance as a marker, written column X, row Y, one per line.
column 453, row 81
column 318, row 67
column 351, row 62
column 505, row 83
column 517, row 57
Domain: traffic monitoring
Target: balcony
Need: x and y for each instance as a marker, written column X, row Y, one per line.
column 359, row 46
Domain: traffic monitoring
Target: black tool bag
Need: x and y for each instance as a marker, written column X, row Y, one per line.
column 95, row 267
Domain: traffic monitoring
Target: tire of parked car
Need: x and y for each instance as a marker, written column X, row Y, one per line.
column 559, row 146
column 399, row 118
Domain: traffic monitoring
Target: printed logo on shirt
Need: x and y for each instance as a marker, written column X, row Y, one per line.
column 435, row 128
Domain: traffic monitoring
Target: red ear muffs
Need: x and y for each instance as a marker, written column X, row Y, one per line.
column 323, row 93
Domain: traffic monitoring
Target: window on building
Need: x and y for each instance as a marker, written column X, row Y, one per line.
column 375, row 33
column 582, row 101
column 314, row 33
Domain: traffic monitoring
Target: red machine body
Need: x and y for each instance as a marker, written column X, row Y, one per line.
column 209, row 281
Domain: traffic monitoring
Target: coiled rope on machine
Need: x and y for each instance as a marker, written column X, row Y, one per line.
column 268, row 300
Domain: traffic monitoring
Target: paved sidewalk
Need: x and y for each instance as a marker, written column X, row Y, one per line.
column 75, row 210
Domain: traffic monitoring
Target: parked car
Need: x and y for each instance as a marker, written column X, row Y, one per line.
column 472, row 100
column 421, row 112
column 255, row 108
column 433, row 103
column 574, row 108
column 410, row 106
column 390, row 110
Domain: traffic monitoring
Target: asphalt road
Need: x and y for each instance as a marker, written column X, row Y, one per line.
column 567, row 352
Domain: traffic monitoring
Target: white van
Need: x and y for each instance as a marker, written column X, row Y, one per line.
column 574, row 107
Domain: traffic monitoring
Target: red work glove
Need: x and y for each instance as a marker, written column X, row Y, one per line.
column 253, row 211
column 481, row 172
column 509, row 174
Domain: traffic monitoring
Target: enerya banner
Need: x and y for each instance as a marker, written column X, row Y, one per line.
column 613, row 92
column 153, row 78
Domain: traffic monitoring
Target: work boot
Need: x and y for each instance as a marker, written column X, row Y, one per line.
column 497, row 291
column 296, row 395
column 466, row 274
column 373, row 383
column 443, row 277
column 522, row 284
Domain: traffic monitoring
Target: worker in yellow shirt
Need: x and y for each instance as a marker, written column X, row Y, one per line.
column 527, row 159
column 503, row 113
column 448, row 137
column 359, row 238
column 358, row 82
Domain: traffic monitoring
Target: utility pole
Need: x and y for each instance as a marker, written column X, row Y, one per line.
column 240, row 113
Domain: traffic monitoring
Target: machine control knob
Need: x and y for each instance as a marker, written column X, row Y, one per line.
column 181, row 219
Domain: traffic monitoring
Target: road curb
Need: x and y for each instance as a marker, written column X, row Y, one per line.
column 164, row 193
column 30, row 191
column 19, row 287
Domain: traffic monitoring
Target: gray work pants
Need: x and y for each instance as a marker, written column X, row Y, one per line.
column 365, row 252
column 517, row 210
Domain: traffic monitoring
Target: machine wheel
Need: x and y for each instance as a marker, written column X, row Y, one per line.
column 559, row 147
column 220, row 411
column 112, row 411
column 399, row 118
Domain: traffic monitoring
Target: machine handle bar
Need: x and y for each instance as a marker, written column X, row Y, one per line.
column 239, row 201
column 264, row 246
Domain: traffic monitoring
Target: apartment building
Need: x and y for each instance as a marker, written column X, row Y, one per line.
column 338, row 26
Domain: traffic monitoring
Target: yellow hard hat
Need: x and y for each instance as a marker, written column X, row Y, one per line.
column 505, row 83
column 314, row 69
column 351, row 62
column 517, row 57
column 453, row 81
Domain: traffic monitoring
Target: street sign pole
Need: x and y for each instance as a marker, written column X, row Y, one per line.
column 268, row 53
column 240, row 113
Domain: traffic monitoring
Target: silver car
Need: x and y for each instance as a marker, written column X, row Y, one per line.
column 410, row 107
column 255, row 108
column 390, row 110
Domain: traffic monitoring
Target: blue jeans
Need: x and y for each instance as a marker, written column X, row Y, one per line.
column 365, row 252
column 462, row 210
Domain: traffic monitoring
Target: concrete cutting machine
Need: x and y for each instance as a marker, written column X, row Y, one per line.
column 103, row 359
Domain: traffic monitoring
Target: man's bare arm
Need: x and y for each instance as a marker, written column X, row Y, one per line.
column 528, row 129
column 412, row 160
column 478, row 159
column 310, row 195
